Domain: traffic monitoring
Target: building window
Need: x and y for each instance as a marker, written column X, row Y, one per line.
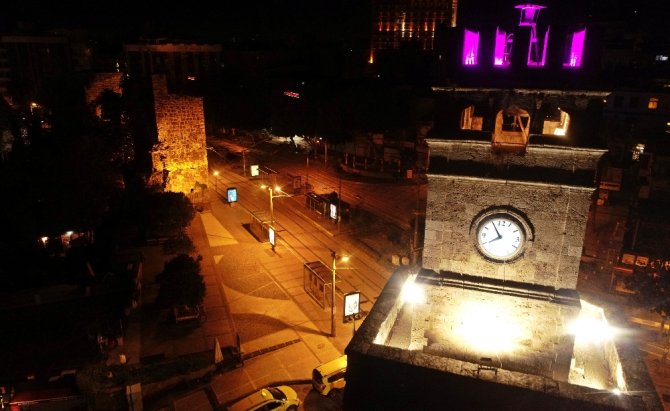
column 653, row 103
column 557, row 123
column 503, row 48
column 574, row 57
column 470, row 48
column 637, row 152
column 469, row 121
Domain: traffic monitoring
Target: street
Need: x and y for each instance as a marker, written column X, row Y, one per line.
column 258, row 293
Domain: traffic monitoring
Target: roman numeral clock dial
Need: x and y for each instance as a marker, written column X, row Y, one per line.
column 500, row 237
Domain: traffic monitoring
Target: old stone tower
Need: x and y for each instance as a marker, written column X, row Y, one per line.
column 179, row 158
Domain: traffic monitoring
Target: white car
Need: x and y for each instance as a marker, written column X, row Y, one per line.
column 277, row 398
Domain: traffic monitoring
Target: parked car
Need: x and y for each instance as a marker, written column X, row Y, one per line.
column 329, row 376
column 278, row 398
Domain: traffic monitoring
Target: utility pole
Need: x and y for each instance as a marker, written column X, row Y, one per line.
column 339, row 203
column 334, row 256
column 307, row 172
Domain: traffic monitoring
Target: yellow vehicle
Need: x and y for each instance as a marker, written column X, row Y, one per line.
column 330, row 376
column 282, row 398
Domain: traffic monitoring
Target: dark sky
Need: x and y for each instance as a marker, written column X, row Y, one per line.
column 223, row 18
column 263, row 19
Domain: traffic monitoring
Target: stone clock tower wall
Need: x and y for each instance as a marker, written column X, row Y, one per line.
column 550, row 187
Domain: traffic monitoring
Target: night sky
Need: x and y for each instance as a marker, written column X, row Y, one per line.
column 275, row 19
column 191, row 19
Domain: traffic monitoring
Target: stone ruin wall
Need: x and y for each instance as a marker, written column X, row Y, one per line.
column 179, row 158
column 100, row 83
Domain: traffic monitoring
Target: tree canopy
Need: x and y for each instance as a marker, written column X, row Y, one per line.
column 167, row 212
column 651, row 285
column 181, row 282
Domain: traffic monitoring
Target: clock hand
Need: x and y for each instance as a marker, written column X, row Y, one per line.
column 497, row 233
column 497, row 238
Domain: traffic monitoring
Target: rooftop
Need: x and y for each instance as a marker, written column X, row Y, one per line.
column 476, row 331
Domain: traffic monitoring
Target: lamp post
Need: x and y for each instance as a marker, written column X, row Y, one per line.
column 272, row 211
column 332, row 290
column 216, row 180
column 272, row 190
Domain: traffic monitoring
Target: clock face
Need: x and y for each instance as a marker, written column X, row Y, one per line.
column 501, row 237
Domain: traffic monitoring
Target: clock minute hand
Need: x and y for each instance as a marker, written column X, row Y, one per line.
column 497, row 233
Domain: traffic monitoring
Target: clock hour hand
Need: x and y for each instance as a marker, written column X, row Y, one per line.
column 490, row 241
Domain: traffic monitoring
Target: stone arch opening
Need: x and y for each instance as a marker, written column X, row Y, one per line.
column 470, row 120
column 556, row 122
column 511, row 128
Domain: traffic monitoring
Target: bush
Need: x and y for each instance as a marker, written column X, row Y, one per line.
column 181, row 282
column 180, row 244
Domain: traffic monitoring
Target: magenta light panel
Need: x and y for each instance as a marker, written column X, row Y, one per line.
column 576, row 49
column 470, row 47
column 503, row 49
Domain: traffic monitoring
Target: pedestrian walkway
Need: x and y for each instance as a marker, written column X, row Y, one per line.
column 286, row 355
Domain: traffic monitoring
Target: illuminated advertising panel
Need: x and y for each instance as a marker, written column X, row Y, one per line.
column 352, row 304
column 271, row 236
column 333, row 211
column 232, row 194
column 255, row 170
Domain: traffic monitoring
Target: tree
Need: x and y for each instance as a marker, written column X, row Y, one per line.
column 181, row 282
column 167, row 212
column 651, row 285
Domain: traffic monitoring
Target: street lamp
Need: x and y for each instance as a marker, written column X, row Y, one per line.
column 271, row 190
column 332, row 290
column 216, row 180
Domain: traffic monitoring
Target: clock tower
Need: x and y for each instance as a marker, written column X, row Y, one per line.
column 508, row 215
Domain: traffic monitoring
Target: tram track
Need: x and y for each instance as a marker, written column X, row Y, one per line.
column 305, row 238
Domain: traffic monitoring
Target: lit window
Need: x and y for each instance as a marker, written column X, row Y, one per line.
column 661, row 57
column 653, row 103
column 637, row 151
column 470, row 48
column 574, row 59
column 503, row 48
column 556, row 123
column 469, row 121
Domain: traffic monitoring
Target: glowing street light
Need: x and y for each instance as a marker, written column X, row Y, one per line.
column 216, row 180
column 335, row 257
column 272, row 191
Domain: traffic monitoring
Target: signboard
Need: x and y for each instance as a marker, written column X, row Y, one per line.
column 255, row 170
column 333, row 211
column 271, row 236
column 352, row 304
column 232, row 194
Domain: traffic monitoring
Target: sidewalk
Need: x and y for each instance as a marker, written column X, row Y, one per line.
column 287, row 355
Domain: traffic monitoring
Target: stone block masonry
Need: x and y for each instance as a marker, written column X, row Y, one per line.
column 555, row 209
column 179, row 158
column 100, row 83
